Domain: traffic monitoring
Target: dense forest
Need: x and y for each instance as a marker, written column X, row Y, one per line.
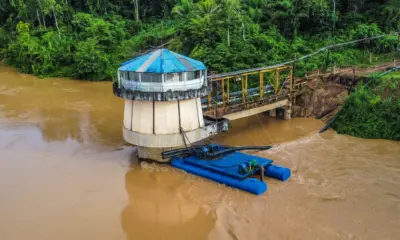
column 86, row 39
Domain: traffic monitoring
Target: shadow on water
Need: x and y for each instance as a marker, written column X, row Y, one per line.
column 160, row 207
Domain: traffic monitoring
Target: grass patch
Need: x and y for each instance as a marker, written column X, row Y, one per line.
column 393, row 75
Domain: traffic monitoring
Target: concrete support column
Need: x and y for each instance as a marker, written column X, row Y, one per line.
column 288, row 112
column 272, row 112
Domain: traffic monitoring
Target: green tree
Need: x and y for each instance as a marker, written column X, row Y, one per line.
column 90, row 62
column 183, row 8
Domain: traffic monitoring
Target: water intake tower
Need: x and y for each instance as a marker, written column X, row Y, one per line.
column 162, row 92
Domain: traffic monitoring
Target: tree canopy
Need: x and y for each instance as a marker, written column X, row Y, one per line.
column 88, row 39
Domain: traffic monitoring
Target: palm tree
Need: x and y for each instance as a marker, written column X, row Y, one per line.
column 255, row 8
column 206, row 12
column 208, row 7
column 183, row 7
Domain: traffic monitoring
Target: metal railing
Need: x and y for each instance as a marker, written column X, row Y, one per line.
column 250, row 70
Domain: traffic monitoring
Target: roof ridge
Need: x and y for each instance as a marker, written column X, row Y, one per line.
column 161, row 61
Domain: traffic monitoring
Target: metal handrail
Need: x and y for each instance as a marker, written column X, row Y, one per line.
column 244, row 71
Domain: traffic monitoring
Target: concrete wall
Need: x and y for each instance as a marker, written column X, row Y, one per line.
column 161, row 118
column 168, row 140
column 128, row 114
column 142, row 117
column 166, row 117
column 190, row 115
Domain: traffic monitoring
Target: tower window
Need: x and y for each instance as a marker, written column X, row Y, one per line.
column 151, row 78
column 174, row 77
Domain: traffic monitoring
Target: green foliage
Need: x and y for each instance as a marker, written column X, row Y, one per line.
column 152, row 35
column 106, row 31
column 39, row 55
column 4, row 38
column 373, row 111
column 393, row 75
column 90, row 62
column 366, row 30
column 54, row 52
column 90, row 39
column 24, row 51
column 390, row 15
column 183, row 7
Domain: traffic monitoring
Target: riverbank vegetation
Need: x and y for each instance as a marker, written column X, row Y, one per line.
column 89, row 39
column 373, row 110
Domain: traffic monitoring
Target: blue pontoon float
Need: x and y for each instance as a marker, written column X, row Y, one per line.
column 229, row 166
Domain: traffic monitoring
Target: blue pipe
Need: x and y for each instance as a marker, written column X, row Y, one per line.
column 277, row 172
column 250, row 185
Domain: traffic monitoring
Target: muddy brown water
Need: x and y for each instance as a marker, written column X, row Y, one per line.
column 66, row 173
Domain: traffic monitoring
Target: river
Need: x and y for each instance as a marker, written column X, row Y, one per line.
column 66, row 173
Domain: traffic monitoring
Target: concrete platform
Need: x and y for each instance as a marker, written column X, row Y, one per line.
column 254, row 111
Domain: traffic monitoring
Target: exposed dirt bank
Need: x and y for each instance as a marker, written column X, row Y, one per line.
column 320, row 98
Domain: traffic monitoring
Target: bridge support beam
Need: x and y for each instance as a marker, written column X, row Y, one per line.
column 272, row 112
column 254, row 111
column 288, row 113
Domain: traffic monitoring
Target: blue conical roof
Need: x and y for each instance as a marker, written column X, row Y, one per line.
column 162, row 61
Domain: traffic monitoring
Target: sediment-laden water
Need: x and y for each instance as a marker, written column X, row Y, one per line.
column 66, row 173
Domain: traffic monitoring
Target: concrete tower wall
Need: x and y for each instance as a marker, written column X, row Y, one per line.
column 166, row 118
column 142, row 117
column 128, row 114
column 190, row 114
column 200, row 111
column 163, row 117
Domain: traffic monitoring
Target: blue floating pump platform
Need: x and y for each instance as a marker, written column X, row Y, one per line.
column 227, row 165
